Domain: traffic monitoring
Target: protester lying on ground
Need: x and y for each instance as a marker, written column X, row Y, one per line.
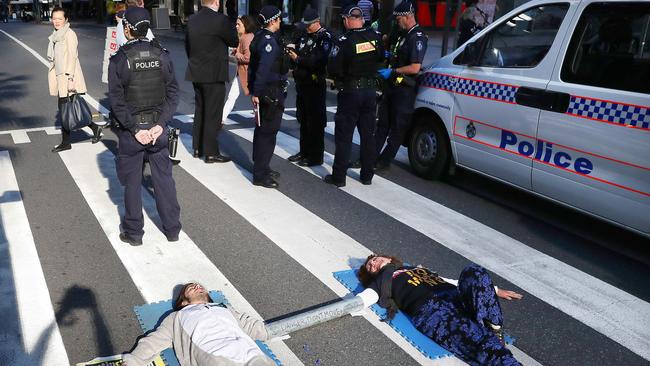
column 203, row 333
column 462, row 316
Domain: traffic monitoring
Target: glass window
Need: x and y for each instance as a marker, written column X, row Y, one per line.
column 610, row 47
column 523, row 40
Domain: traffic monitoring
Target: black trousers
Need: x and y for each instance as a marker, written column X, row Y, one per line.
column 65, row 134
column 209, row 99
column 312, row 115
column 356, row 108
column 395, row 114
column 131, row 156
column 265, row 135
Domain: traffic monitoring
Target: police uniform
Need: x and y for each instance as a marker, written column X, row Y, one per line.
column 267, row 80
column 396, row 109
column 353, row 63
column 143, row 93
column 309, row 74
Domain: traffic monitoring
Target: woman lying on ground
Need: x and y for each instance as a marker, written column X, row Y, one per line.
column 462, row 316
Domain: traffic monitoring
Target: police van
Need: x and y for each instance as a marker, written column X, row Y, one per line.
column 552, row 98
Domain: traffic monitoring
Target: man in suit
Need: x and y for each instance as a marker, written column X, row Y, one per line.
column 209, row 34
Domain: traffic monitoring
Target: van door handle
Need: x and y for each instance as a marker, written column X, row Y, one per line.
column 543, row 99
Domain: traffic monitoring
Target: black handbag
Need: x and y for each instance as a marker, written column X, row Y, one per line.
column 75, row 113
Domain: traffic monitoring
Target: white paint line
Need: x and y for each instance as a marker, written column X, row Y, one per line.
column 613, row 312
column 156, row 266
column 41, row 340
column 50, row 130
column 184, row 118
column 38, row 57
column 288, row 117
column 315, row 244
column 20, row 137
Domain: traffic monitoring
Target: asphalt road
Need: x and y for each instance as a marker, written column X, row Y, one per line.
column 93, row 288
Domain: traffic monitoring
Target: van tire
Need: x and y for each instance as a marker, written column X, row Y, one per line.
column 429, row 150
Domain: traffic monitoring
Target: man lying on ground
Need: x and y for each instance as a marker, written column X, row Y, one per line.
column 203, row 333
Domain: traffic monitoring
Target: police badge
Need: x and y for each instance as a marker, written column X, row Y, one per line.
column 419, row 45
column 470, row 130
column 268, row 48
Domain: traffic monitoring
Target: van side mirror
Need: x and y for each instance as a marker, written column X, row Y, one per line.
column 470, row 55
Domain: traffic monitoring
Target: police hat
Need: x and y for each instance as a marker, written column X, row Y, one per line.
column 269, row 13
column 352, row 11
column 310, row 16
column 135, row 16
column 404, row 8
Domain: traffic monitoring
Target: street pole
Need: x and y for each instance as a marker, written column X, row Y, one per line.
column 445, row 35
column 322, row 314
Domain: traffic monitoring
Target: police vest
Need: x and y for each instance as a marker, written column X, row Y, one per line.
column 147, row 85
column 364, row 60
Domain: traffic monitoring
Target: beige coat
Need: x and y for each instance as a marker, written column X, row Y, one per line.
column 59, row 83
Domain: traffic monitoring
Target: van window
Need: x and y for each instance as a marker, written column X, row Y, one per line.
column 610, row 47
column 523, row 40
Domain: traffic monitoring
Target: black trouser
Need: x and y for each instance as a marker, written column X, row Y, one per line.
column 265, row 135
column 65, row 134
column 311, row 113
column 356, row 108
column 395, row 113
column 209, row 99
column 131, row 156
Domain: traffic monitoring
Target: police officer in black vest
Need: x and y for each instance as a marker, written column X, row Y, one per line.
column 267, row 82
column 405, row 59
column 310, row 62
column 144, row 94
column 354, row 61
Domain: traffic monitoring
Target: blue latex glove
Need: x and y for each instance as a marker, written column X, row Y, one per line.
column 385, row 73
column 388, row 54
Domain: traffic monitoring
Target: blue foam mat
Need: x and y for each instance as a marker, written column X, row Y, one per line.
column 401, row 323
column 150, row 315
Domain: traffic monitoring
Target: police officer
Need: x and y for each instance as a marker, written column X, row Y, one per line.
column 405, row 59
column 144, row 94
column 267, row 82
column 310, row 60
column 353, row 63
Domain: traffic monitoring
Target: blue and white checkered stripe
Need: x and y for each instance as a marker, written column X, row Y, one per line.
column 471, row 87
column 606, row 111
column 486, row 89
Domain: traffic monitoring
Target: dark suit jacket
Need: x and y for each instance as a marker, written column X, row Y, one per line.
column 209, row 34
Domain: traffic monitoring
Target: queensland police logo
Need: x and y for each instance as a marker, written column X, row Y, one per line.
column 335, row 51
column 326, row 46
column 310, row 42
column 470, row 130
column 268, row 48
column 268, row 36
column 419, row 45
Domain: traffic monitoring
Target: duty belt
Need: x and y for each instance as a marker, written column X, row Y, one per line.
column 356, row 83
column 146, row 118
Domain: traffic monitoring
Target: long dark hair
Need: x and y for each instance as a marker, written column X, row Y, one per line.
column 250, row 25
column 366, row 277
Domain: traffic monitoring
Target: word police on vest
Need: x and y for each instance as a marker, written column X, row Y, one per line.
column 544, row 152
column 147, row 65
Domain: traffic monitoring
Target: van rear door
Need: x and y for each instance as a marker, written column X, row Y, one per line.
column 597, row 146
column 495, row 123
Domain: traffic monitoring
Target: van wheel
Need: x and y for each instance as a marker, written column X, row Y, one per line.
column 429, row 150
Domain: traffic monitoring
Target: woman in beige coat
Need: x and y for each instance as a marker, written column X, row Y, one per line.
column 64, row 76
column 246, row 28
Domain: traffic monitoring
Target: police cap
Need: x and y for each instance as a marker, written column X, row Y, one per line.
column 269, row 13
column 135, row 16
column 352, row 11
column 310, row 16
column 404, row 8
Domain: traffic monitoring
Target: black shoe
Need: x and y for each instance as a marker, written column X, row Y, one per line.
column 296, row 157
column 217, row 159
column 129, row 240
column 274, row 174
column 97, row 135
column 267, row 182
column 172, row 238
column 61, row 147
column 382, row 166
column 307, row 162
column 366, row 182
column 355, row 164
column 196, row 154
column 329, row 179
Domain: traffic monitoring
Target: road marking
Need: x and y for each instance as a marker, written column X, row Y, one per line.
column 315, row 244
column 38, row 341
column 613, row 312
column 156, row 266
